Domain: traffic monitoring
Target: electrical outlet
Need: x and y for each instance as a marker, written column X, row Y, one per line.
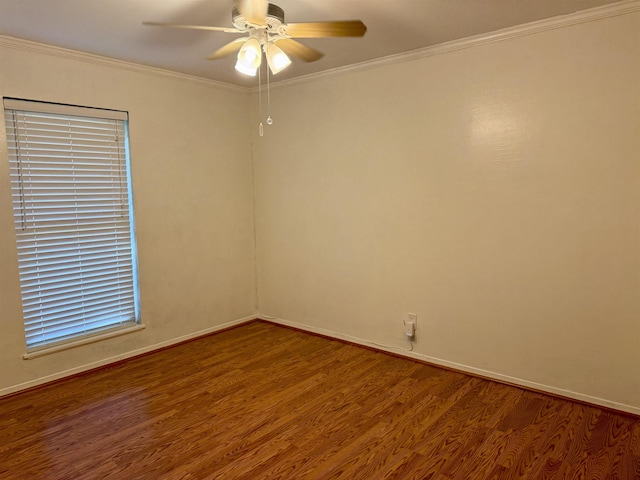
column 409, row 329
column 410, row 325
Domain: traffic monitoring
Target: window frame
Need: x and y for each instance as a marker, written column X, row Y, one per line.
column 118, row 181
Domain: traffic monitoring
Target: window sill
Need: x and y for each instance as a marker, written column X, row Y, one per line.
column 83, row 341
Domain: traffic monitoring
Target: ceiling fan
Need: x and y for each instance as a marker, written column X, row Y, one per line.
column 266, row 31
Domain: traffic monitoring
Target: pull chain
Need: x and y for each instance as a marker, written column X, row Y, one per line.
column 260, row 127
column 269, row 119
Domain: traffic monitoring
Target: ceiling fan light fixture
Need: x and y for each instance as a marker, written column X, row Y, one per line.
column 249, row 57
column 277, row 59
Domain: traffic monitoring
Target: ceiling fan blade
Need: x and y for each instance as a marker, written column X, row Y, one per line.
column 253, row 11
column 228, row 49
column 298, row 50
column 349, row 28
column 194, row 27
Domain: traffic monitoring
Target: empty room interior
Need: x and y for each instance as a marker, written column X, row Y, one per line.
column 411, row 263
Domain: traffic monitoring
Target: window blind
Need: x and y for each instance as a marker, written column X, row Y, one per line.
column 73, row 219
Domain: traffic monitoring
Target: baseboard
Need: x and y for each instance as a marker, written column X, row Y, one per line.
column 487, row 374
column 125, row 356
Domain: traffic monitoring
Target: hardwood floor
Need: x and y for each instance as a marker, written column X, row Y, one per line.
column 266, row 402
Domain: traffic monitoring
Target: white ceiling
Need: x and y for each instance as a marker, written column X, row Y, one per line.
column 113, row 28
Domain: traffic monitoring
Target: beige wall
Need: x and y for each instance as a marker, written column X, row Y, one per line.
column 192, row 184
column 493, row 190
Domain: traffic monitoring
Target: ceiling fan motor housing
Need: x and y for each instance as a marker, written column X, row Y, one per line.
column 274, row 19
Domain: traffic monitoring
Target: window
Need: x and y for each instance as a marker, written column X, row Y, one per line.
column 72, row 205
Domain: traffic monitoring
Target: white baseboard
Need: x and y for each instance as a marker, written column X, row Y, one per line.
column 123, row 356
column 603, row 402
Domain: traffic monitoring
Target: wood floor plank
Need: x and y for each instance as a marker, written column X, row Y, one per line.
column 634, row 442
column 266, row 402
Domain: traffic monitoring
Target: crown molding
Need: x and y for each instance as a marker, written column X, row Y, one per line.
column 44, row 49
column 624, row 7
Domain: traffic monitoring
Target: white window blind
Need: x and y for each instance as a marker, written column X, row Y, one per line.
column 73, row 219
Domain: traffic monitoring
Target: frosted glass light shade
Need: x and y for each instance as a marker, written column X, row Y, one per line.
column 277, row 59
column 249, row 57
